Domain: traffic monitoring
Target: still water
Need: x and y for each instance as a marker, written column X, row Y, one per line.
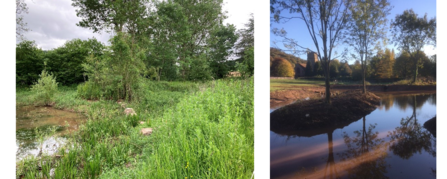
column 390, row 142
column 30, row 118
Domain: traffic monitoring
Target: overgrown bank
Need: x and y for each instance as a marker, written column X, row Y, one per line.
column 200, row 130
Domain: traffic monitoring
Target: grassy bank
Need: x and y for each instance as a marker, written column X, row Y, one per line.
column 292, row 84
column 200, row 130
column 284, row 84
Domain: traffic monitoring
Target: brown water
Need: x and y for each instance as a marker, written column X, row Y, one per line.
column 391, row 142
column 29, row 118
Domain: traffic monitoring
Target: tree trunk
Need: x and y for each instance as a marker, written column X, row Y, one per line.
column 328, row 91
column 364, row 73
column 364, row 79
column 415, row 71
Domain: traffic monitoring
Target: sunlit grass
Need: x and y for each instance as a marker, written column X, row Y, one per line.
column 200, row 131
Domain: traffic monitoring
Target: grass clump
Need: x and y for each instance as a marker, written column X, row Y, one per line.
column 45, row 89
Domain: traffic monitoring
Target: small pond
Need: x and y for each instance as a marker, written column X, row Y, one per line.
column 45, row 119
column 390, row 142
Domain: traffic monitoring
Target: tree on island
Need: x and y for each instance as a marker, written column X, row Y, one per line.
column 325, row 20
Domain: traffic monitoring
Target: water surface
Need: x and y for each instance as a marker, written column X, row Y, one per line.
column 30, row 118
column 390, row 142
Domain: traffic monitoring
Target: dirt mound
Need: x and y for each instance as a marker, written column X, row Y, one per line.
column 430, row 125
column 314, row 114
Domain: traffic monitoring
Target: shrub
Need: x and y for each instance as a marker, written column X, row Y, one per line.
column 44, row 89
column 281, row 68
column 89, row 90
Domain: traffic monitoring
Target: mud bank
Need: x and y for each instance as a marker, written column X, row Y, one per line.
column 386, row 88
column 287, row 96
column 314, row 114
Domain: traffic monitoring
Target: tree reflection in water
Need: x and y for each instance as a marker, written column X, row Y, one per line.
column 430, row 125
column 330, row 170
column 366, row 153
column 410, row 137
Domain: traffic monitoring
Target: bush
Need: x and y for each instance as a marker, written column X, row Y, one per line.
column 44, row 89
column 89, row 90
column 281, row 68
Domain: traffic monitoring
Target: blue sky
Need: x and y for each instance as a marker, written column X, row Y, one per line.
column 297, row 30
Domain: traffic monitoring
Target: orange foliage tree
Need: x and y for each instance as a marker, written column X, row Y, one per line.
column 281, row 68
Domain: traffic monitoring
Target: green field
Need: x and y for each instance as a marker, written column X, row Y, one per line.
column 283, row 84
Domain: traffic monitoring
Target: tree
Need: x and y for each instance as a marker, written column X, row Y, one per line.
column 325, row 20
column 111, row 15
column 29, row 62
column 433, row 67
column 281, row 68
column 66, row 61
column 345, row 70
column 271, row 60
column 247, row 66
column 246, row 37
column 357, row 72
column 221, row 43
column 367, row 28
column 118, row 71
column 333, row 68
column 318, row 70
column 402, row 65
column 202, row 18
column 411, row 33
column 20, row 24
column 382, row 64
column 275, row 52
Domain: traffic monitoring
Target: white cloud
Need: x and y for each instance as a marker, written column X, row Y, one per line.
column 52, row 23
column 429, row 50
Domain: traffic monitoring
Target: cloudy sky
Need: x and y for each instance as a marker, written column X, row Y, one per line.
column 53, row 22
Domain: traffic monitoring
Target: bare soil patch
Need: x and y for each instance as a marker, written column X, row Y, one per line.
column 317, row 92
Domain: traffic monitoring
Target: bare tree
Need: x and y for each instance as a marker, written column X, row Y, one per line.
column 325, row 21
column 367, row 28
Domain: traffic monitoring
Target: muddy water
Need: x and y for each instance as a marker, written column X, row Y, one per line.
column 390, row 142
column 44, row 119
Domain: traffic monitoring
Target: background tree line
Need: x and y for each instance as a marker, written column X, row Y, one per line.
column 160, row 40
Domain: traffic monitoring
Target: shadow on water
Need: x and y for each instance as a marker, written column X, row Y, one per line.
column 367, row 152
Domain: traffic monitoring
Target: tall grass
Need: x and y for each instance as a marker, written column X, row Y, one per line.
column 200, row 130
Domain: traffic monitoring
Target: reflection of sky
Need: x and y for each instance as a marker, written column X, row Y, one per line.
column 290, row 153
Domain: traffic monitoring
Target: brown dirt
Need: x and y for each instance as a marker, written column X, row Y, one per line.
column 287, row 96
column 315, row 114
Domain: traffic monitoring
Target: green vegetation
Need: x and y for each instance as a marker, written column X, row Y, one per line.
column 205, row 127
column 281, row 68
column 282, row 84
column 169, row 62
column 44, row 90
